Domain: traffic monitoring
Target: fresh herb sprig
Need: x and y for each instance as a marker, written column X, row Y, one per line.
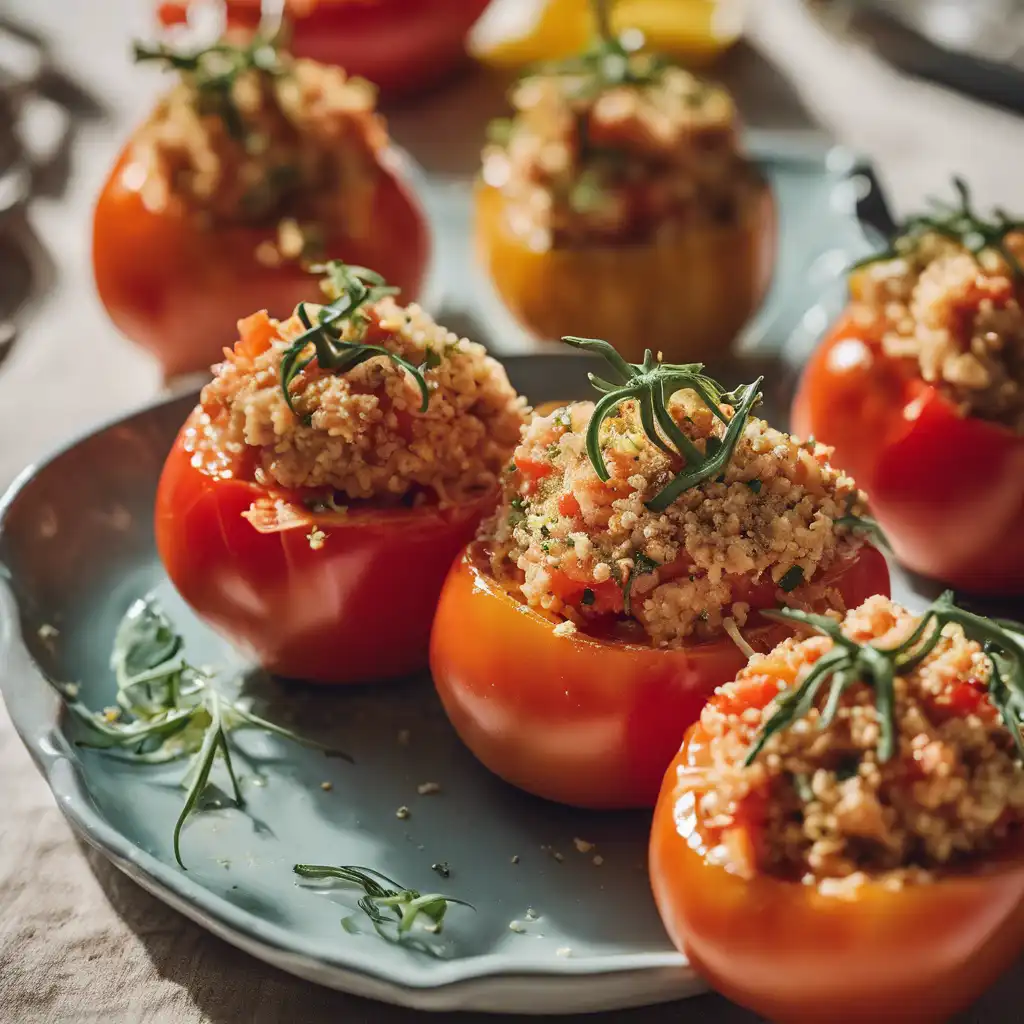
column 651, row 384
column 850, row 662
column 213, row 72
column 167, row 710
column 959, row 222
column 391, row 907
column 351, row 289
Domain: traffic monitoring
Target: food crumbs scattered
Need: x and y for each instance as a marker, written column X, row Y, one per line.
column 48, row 632
column 327, row 786
column 428, row 788
column 531, row 914
column 402, row 813
column 442, row 869
column 564, row 951
column 582, row 845
column 515, row 858
column 71, row 690
column 517, row 926
column 598, row 859
column 316, row 538
column 566, row 628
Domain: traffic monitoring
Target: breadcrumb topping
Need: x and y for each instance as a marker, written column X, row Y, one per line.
column 630, row 163
column 818, row 804
column 958, row 316
column 360, row 434
column 762, row 533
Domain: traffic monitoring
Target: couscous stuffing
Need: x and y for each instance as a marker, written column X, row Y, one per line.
column 955, row 315
column 252, row 135
column 818, row 801
column 763, row 531
column 361, row 434
column 585, row 161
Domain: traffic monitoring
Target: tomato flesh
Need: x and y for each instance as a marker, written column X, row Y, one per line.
column 947, row 490
column 358, row 609
column 578, row 719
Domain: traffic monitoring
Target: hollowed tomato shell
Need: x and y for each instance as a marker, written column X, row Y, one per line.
column 178, row 290
column 913, row 955
column 357, row 610
column 687, row 298
column 578, row 720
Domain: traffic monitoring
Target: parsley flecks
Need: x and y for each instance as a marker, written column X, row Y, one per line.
column 588, row 597
column 755, row 485
column 517, row 510
column 792, row 578
column 643, row 565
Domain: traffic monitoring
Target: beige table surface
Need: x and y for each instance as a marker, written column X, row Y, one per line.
column 78, row 942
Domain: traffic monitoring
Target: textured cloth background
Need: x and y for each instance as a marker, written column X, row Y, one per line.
column 78, row 942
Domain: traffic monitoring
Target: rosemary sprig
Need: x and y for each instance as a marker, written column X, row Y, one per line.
column 167, row 710
column 391, row 907
column 213, row 72
column 850, row 662
column 651, row 384
column 959, row 222
column 351, row 289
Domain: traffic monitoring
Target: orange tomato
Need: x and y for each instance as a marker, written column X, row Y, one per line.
column 947, row 489
column 687, row 298
column 178, row 290
column 787, row 951
column 576, row 719
column 358, row 609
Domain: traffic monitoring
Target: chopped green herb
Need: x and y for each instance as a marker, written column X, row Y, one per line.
column 517, row 510
column 792, row 578
column 588, row 597
column 432, row 360
column 802, row 785
column 754, row 485
column 643, row 565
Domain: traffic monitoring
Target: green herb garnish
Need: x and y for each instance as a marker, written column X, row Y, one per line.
column 167, row 710
column 792, row 578
column 588, row 597
column 352, row 290
column 213, row 72
column 651, row 384
column 959, row 222
column 849, row 662
column 392, row 908
column 755, row 485
column 643, row 565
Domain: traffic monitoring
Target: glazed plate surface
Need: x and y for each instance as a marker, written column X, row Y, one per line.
column 76, row 549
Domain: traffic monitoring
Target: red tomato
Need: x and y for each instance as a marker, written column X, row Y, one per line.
column 179, row 291
column 947, row 490
column 576, row 719
column 400, row 45
column 796, row 956
column 356, row 610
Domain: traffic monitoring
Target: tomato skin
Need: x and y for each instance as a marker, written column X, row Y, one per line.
column 400, row 45
column 177, row 290
column 575, row 719
column 916, row 954
column 356, row 610
column 708, row 282
column 947, row 490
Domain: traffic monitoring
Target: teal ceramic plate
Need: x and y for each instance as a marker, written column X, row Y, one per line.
column 552, row 931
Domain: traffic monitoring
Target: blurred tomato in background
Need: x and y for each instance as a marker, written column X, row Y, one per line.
column 518, row 32
column 400, row 45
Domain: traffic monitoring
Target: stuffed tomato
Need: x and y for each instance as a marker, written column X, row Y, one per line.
column 622, row 578
column 840, row 837
column 920, row 391
column 334, row 467
column 250, row 167
column 617, row 179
